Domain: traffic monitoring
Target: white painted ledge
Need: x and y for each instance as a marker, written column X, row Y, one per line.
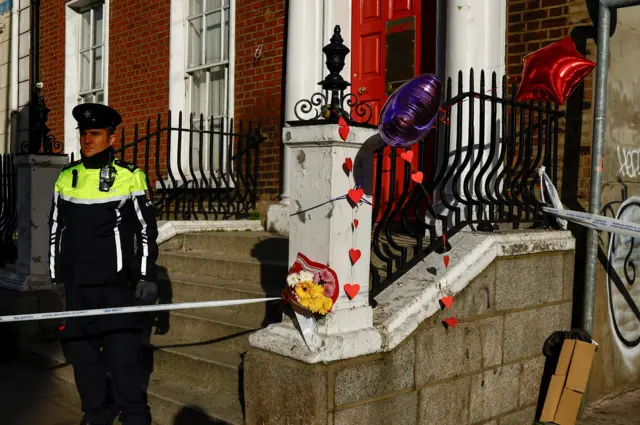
column 169, row 229
column 415, row 296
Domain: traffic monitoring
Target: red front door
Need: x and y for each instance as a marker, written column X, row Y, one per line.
column 386, row 40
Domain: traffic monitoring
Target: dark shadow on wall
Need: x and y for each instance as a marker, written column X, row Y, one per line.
column 273, row 254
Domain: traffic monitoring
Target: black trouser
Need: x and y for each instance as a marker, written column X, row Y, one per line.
column 107, row 355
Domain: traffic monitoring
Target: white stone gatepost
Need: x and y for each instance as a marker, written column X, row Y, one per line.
column 36, row 176
column 323, row 230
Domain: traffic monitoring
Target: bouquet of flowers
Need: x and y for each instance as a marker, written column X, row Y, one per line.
column 311, row 286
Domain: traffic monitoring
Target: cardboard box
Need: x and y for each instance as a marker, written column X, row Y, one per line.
column 568, row 383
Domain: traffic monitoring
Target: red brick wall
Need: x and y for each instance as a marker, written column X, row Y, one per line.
column 139, row 56
column 533, row 24
column 259, row 88
column 138, row 60
column 52, row 61
column 139, row 37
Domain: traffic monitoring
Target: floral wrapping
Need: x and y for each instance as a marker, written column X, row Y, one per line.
column 311, row 286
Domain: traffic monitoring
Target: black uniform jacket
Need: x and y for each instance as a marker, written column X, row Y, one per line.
column 96, row 235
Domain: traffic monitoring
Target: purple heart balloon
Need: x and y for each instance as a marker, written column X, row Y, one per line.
column 410, row 112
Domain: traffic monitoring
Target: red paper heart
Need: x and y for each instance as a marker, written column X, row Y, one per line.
column 446, row 261
column 451, row 322
column 344, row 129
column 355, row 223
column 407, row 156
column 417, row 177
column 348, row 163
column 447, row 301
column 355, row 195
column 354, row 254
column 351, row 290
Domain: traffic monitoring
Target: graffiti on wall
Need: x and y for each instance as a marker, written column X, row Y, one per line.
column 629, row 162
column 5, row 6
column 622, row 288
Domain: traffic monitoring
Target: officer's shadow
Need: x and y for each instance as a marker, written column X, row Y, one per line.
column 193, row 415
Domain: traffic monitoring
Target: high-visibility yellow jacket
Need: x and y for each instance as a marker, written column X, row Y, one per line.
column 96, row 234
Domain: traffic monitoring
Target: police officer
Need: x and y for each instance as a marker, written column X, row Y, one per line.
column 103, row 250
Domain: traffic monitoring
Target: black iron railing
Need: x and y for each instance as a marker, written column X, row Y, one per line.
column 480, row 167
column 206, row 169
column 8, row 210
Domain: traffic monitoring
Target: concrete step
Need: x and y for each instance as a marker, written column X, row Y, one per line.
column 168, row 398
column 173, row 403
column 269, row 275
column 260, row 245
column 190, row 288
column 208, row 325
column 212, row 366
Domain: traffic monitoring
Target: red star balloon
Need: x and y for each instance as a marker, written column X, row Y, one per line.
column 553, row 72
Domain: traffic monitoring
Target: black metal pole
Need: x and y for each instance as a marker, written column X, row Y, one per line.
column 39, row 137
column 441, row 39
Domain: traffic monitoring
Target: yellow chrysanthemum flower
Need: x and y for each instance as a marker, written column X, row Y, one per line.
column 311, row 296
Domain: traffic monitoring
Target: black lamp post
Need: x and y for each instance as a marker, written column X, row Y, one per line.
column 328, row 107
column 39, row 139
column 336, row 52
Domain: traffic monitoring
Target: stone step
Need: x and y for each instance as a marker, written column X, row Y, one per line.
column 260, row 245
column 267, row 274
column 191, row 288
column 168, row 398
column 212, row 366
column 173, row 403
column 208, row 325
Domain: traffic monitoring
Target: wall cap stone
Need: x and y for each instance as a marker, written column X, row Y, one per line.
column 169, row 229
column 415, row 296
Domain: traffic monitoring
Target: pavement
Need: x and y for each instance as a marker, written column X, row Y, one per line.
column 32, row 396
column 622, row 410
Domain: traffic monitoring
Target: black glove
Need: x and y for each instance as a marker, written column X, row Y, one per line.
column 146, row 292
column 58, row 288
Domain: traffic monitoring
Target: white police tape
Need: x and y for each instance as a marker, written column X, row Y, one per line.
column 598, row 222
column 547, row 186
column 132, row 309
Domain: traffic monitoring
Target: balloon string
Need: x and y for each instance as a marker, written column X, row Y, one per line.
column 362, row 201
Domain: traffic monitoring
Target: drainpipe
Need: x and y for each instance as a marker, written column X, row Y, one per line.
column 13, row 79
column 441, row 40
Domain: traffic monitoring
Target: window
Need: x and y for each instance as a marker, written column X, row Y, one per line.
column 208, row 60
column 91, row 49
column 86, row 56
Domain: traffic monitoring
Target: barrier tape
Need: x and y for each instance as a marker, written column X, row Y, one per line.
column 132, row 309
column 598, row 222
column 545, row 183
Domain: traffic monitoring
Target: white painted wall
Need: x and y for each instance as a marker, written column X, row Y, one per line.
column 14, row 73
column 476, row 38
column 5, row 86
